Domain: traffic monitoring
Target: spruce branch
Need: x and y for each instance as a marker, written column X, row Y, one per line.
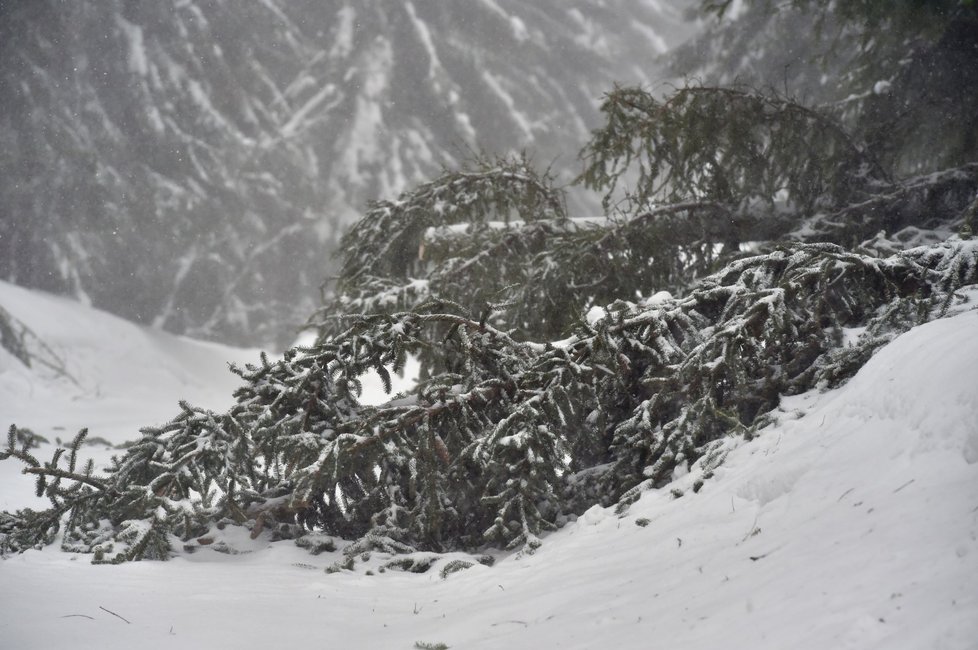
column 54, row 472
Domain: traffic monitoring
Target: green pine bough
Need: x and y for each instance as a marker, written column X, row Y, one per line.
column 718, row 288
column 497, row 454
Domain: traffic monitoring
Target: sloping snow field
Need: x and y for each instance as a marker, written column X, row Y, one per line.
column 851, row 523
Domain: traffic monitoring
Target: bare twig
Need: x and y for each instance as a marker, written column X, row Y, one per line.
column 72, row 476
column 904, row 485
column 114, row 614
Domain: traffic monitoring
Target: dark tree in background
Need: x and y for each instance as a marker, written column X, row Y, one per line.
column 902, row 75
column 191, row 164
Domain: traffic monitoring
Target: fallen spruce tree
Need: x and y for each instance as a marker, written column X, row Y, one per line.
column 522, row 435
column 564, row 362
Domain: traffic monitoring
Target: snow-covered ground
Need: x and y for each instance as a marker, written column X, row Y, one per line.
column 852, row 523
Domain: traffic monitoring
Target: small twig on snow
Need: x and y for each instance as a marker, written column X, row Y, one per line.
column 904, row 485
column 114, row 614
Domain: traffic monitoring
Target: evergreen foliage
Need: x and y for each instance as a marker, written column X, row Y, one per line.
column 528, row 435
column 735, row 147
column 762, row 251
column 900, row 74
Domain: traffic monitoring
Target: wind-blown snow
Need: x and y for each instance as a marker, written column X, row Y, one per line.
column 137, row 52
column 496, row 85
column 850, row 523
column 301, row 117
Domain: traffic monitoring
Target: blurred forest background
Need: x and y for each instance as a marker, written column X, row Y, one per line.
column 190, row 164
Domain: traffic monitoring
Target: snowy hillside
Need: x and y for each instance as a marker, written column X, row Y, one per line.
column 99, row 371
column 190, row 163
column 851, row 523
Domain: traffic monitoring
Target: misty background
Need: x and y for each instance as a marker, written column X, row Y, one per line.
column 191, row 164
